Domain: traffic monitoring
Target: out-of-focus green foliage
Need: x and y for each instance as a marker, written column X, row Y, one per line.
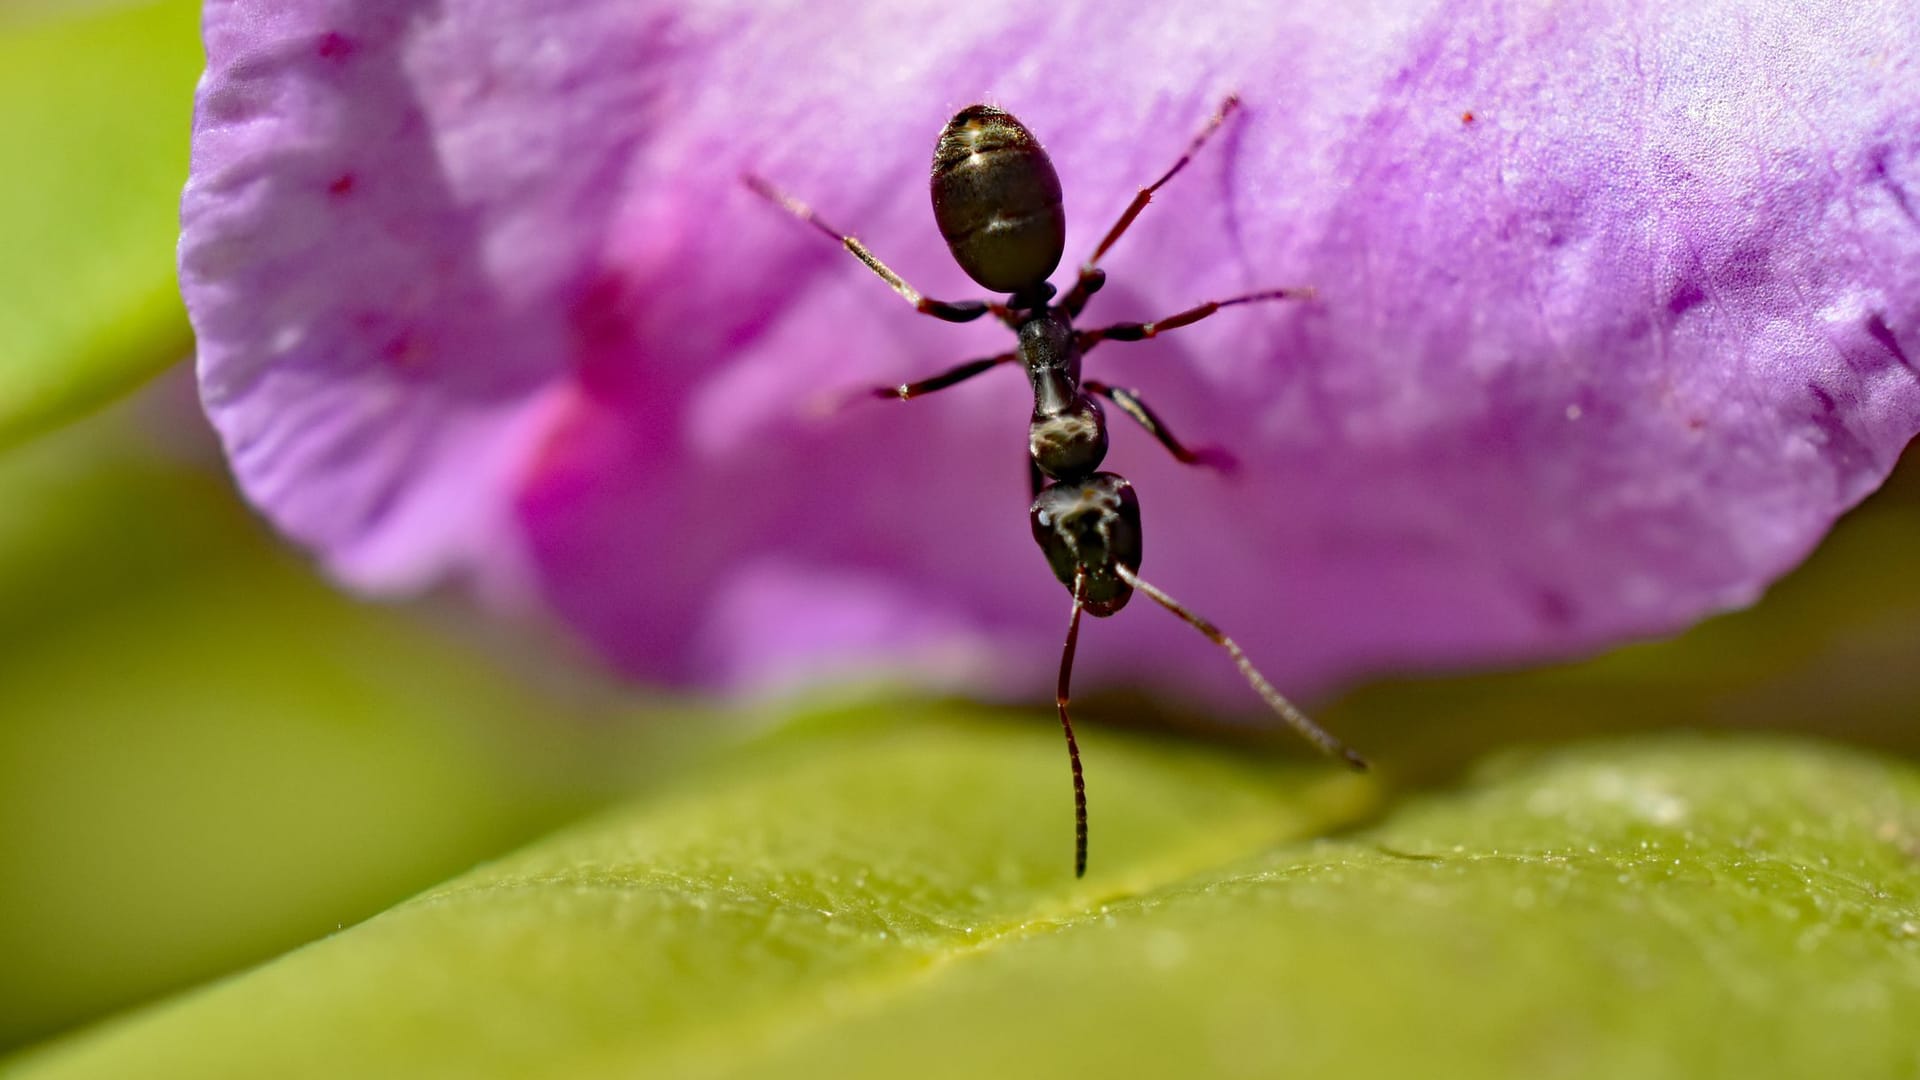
column 94, row 113
column 1833, row 649
column 207, row 755
column 895, row 899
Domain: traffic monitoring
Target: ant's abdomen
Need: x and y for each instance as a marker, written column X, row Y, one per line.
column 997, row 200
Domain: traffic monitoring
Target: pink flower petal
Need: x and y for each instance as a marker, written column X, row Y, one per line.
column 1618, row 310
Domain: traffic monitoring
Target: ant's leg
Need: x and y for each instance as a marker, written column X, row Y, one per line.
column 958, row 374
column 838, row 401
column 1060, row 701
column 1036, row 480
column 1142, row 331
column 1296, row 719
column 1091, row 276
column 963, row 311
column 1130, row 403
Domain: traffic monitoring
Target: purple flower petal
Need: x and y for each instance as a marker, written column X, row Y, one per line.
column 1619, row 308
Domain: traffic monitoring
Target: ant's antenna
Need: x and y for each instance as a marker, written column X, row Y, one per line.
column 1300, row 722
column 1066, row 725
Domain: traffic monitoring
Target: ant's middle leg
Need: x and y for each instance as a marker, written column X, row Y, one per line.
column 838, row 401
column 958, row 374
column 950, row 311
column 1091, row 276
column 1138, row 331
column 1130, row 403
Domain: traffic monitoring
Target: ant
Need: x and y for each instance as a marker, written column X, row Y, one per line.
column 997, row 201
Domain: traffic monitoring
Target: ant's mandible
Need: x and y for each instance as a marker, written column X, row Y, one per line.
column 997, row 201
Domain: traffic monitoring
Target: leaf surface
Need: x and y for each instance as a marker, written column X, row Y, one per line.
column 891, row 895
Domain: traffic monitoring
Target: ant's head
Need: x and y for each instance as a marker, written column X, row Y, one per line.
column 997, row 200
column 1090, row 525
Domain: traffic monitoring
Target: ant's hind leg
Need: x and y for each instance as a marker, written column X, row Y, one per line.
column 1141, row 331
column 950, row 311
column 1130, row 403
column 1298, row 720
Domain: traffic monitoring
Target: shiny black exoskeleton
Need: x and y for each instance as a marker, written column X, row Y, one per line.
column 1087, row 528
column 997, row 201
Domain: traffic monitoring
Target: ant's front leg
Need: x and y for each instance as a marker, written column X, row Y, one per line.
column 947, row 310
column 1130, row 403
column 1091, row 276
column 1137, row 331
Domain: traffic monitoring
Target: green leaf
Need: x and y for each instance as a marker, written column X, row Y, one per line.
column 94, row 112
column 888, row 898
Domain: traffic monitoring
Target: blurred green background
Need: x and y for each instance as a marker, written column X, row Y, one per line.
column 208, row 755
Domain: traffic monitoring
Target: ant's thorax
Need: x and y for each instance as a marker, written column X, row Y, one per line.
column 1052, row 358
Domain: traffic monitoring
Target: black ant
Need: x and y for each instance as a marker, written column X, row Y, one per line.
column 997, row 201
